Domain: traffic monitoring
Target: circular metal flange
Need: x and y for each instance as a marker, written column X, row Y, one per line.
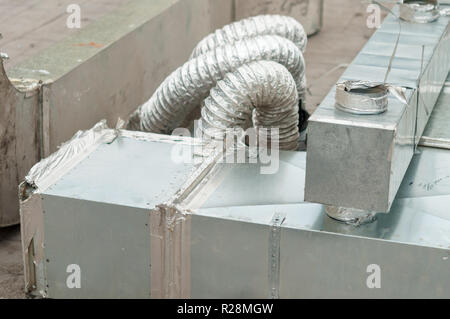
column 4, row 56
column 424, row 11
column 350, row 216
column 361, row 97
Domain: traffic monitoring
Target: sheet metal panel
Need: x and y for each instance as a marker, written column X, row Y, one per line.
column 320, row 257
column 359, row 161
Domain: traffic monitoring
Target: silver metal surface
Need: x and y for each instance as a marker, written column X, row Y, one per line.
column 437, row 131
column 42, row 174
column 19, row 141
column 151, row 180
column 359, row 161
column 98, row 214
column 109, row 243
column 321, row 257
column 361, row 97
column 101, row 223
column 97, row 193
column 350, row 216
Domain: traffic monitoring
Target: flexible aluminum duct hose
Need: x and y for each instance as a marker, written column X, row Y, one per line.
column 282, row 26
column 262, row 92
column 190, row 84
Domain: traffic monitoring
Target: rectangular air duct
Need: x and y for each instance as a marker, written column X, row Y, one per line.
column 359, row 161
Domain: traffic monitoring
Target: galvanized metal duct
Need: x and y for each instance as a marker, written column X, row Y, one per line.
column 283, row 26
column 424, row 11
column 190, row 84
column 262, row 94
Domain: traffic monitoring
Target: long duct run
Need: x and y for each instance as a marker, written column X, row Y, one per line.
column 189, row 85
column 262, row 94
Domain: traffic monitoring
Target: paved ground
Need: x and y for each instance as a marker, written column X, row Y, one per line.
column 29, row 26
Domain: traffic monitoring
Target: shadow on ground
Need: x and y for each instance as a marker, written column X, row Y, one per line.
column 11, row 269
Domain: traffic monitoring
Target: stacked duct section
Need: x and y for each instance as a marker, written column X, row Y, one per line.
column 358, row 161
column 140, row 223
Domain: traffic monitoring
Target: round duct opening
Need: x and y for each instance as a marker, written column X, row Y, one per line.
column 350, row 216
column 360, row 97
column 424, row 11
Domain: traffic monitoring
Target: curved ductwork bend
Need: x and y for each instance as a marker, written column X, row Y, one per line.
column 190, row 84
column 283, row 26
column 221, row 53
column 261, row 94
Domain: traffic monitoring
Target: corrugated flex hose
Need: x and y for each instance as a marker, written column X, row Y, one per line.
column 221, row 53
column 262, row 94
